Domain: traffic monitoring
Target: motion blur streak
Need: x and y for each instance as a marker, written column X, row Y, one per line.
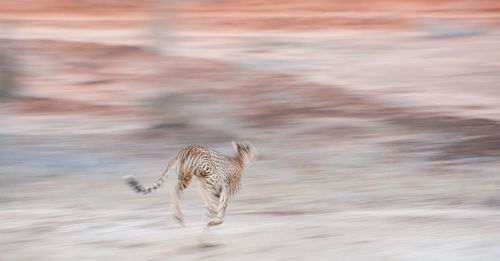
column 377, row 124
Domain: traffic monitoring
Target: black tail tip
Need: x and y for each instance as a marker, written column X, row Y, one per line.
column 132, row 182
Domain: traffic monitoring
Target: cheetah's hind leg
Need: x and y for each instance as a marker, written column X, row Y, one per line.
column 182, row 183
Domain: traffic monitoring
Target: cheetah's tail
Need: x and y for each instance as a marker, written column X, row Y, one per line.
column 139, row 188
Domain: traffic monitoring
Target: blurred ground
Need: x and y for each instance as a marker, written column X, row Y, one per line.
column 377, row 126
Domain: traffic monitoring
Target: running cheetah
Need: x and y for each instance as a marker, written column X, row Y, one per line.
column 219, row 176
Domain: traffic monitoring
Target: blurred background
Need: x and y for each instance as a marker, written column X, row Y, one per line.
column 377, row 124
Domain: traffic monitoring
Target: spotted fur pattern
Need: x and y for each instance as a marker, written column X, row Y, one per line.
column 219, row 176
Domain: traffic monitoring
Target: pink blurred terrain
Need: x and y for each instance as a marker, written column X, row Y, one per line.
column 377, row 125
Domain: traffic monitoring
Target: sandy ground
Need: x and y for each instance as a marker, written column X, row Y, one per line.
column 376, row 144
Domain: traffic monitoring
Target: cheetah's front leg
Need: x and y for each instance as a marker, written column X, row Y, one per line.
column 221, row 209
column 210, row 202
